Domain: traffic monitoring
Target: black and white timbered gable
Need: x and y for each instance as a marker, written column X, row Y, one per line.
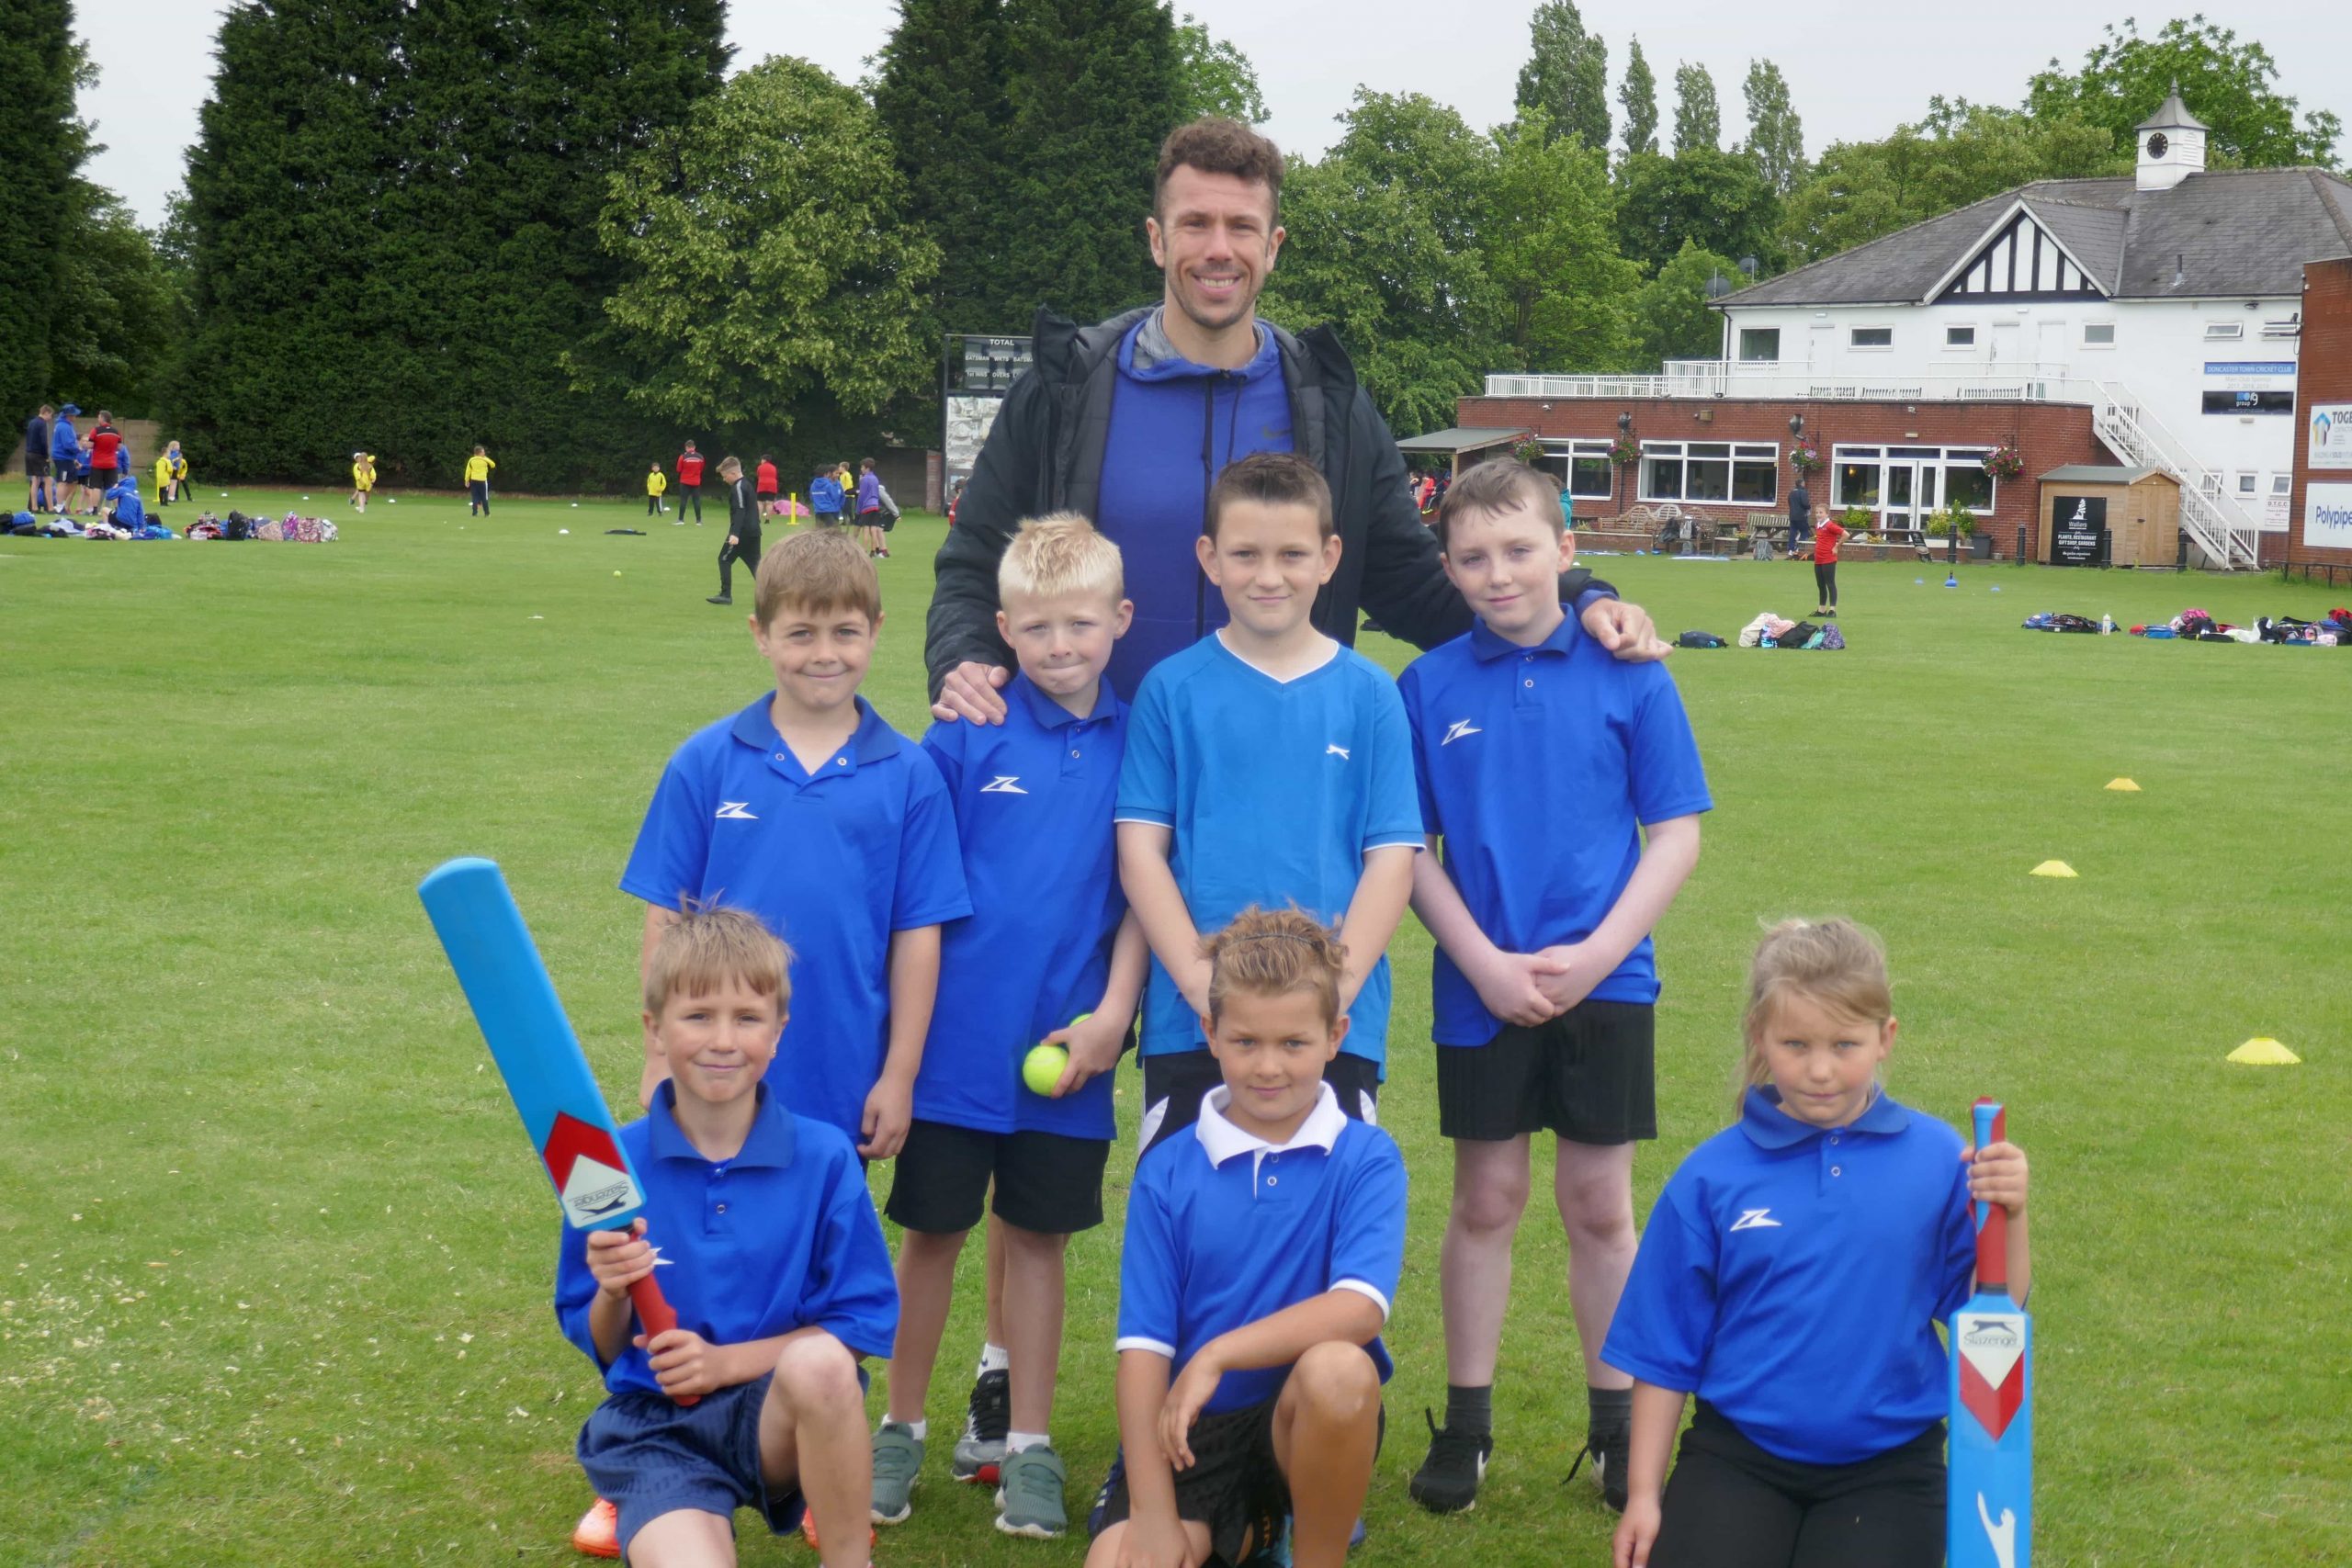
column 2025, row 258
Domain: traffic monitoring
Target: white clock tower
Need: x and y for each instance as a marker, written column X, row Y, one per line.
column 2172, row 144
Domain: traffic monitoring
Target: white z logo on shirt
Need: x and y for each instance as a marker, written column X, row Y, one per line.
column 1336, row 749
column 1003, row 784
column 1755, row 1220
column 732, row 811
column 1460, row 728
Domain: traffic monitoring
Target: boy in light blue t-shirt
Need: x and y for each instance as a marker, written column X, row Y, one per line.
column 1268, row 765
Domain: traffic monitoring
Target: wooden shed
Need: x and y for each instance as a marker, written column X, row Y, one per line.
column 2095, row 515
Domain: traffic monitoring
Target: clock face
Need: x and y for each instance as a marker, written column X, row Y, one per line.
column 2157, row 144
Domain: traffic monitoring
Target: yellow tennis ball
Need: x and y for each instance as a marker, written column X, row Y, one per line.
column 1043, row 1068
column 616, row 574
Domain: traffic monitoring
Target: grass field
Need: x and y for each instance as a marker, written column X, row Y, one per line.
column 278, row 1264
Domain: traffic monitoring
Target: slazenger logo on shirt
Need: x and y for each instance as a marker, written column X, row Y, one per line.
column 733, row 811
column 1003, row 784
column 1336, row 749
column 1460, row 728
column 1755, row 1220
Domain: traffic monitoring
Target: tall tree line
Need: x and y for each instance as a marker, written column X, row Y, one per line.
column 42, row 147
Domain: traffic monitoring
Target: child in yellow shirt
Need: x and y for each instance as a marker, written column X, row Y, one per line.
column 478, row 469
column 655, row 481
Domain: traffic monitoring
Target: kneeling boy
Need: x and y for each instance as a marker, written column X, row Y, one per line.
column 1262, row 1249
column 777, row 1271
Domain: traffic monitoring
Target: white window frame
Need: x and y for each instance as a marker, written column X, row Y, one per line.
column 2249, row 482
column 1854, row 344
column 2282, row 484
column 1741, row 344
column 2224, row 331
column 1568, row 451
column 1946, row 460
column 1737, row 454
column 2292, row 327
column 1968, row 327
column 2089, row 342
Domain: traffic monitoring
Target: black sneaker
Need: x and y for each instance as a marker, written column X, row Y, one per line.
column 1448, row 1481
column 720, row 599
column 1608, row 1449
column 978, row 1458
column 1097, row 1511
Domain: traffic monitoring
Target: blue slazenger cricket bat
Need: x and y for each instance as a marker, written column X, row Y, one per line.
column 1988, row 1519
column 523, row 1022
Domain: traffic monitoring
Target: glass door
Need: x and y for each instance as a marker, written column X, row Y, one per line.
column 1896, row 511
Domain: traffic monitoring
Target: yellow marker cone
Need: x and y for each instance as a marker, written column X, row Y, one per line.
column 2053, row 868
column 2124, row 785
column 2264, row 1051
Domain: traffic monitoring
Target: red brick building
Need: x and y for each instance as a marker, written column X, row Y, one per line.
column 2319, row 527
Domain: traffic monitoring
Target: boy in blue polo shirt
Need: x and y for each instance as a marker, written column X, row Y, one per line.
column 1266, row 765
column 809, row 811
column 777, row 1273
column 1049, row 953
column 1545, row 983
column 1262, row 1253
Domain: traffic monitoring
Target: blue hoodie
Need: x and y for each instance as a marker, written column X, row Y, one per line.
column 64, row 445
column 1174, row 426
column 122, row 500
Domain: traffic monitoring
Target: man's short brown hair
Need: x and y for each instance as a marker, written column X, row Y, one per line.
column 1500, row 484
column 818, row 571
column 1216, row 145
column 1271, row 479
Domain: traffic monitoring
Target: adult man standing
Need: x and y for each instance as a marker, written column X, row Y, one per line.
column 689, row 484
column 1800, row 514
column 37, row 459
column 1130, row 421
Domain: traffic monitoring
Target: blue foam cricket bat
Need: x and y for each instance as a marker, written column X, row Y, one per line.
column 1988, row 1519
column 523, row 1022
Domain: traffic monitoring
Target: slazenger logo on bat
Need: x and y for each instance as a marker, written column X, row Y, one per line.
column 596, row 1190
column 1992, row 1334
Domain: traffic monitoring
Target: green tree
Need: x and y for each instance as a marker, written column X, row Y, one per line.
column 42, row 148
column 1566, row 74
column 1698, row 117
column 1550, row 244
column 770, row 267
column 1383, row 247
column 1094, row 92
column 1638, row 97
column 1775, row 135
column 1214, row 78
column 1958, row 153
column 1670, row 317
column 2227, row 83
column 1707, row 197
column 118, row 307
column 943, row 98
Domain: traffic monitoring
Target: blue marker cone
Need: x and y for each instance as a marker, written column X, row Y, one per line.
column 1951, row 583
column 1920, row 580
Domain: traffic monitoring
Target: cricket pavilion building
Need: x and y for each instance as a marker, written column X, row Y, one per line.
column 2150, row 321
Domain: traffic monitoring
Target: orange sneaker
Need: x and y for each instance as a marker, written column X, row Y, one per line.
column 808, row 1532
column 598, row 1533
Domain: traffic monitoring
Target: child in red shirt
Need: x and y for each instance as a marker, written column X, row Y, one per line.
column 764, row 484
column 1826, row 540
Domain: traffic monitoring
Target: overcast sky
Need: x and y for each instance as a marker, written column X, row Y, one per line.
column 1855, row 68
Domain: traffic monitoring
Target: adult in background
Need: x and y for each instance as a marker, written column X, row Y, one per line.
column 37, row 459
column 1800, row 514
column 689, row 483
column 105, row 459
column 764, row 483
column 1130, row 421
column 64, row 460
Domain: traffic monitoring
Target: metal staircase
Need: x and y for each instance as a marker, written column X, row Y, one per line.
column 2228, row 537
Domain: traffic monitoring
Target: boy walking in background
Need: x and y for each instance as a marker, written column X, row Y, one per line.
column 1545, row 983
column 779, row 1290
column 742, row 529
column 1266, row 765
column 1049, row 954
column 478, row 469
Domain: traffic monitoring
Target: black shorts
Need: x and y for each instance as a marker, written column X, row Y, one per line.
column 1234, row 1487
column 1175, row 1082
column 1044, row 1182
column 1590, row 1076
column 35, row 467
column 102, row 479
column 1731, row 1503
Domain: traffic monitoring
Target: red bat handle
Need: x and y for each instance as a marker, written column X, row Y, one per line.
column 653, row 1311
column 1992, row 1220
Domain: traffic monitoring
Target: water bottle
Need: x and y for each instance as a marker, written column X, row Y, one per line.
column 2106, row 625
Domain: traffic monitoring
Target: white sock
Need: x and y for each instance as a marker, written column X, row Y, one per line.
column 1014, row 1442
column 993, row 1358
column 919, row 1430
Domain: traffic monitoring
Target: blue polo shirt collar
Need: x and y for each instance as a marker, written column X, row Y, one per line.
column 769, row 1143
column 1223, row 1141
column 871, row 742
column 1770, row 1127
column 1051, row 714
column 1489, row 644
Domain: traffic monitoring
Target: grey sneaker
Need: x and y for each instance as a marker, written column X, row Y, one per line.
column 1029, row 1498
column 979, row 1452
column 898, row 1465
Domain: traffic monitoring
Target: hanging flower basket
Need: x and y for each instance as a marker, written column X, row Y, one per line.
column 2005, row 461
column 1805, row 458
column 1530, row 451
column 1625, row 451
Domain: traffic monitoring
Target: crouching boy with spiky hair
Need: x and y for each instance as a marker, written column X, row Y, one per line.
column 1262, row 1247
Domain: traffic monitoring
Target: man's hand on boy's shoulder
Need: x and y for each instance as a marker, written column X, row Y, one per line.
column 1626, row 631
column 620, row 1258
column 973, row 692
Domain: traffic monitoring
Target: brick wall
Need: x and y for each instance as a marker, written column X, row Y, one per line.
column 2324, row 375
column 2047, row 434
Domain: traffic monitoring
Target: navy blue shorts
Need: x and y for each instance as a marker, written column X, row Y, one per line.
column 649, row 1455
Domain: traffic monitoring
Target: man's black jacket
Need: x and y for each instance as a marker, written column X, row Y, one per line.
column 1045, row 454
